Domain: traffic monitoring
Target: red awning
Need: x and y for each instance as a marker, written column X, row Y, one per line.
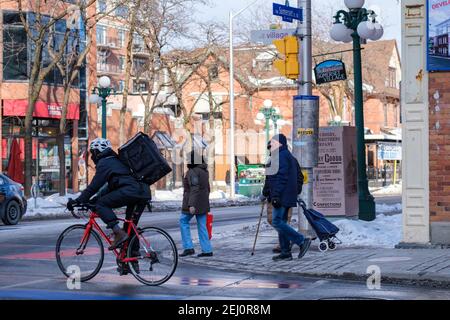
column 43, row 109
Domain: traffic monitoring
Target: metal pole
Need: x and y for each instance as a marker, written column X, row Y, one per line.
column 231, row 137
column 366, row 200
column 104, row 117
column 267, row 137
column 305, row 89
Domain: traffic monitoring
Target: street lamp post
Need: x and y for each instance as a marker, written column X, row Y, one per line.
column 270, row 114
column 350, row 26
column 231, row 138
column 99, row 94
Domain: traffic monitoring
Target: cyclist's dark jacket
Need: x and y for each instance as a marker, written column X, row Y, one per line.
column 111, row 170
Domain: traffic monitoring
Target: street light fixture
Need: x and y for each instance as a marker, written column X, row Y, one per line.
column 99, row 94
column 359, row 23
column 272, row 116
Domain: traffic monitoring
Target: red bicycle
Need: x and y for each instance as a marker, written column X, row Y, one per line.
column 150, row 254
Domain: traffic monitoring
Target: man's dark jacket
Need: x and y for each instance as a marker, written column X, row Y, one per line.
column 111, row 170
column 196, row 189
column 283, row 184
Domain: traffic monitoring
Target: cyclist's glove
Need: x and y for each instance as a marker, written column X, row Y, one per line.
column 71, row 203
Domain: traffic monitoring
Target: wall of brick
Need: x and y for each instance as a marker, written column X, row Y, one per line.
column 439, row 118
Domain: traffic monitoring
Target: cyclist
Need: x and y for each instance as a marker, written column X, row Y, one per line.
column 122, row 189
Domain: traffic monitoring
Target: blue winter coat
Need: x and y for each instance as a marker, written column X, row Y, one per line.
column 282, row 183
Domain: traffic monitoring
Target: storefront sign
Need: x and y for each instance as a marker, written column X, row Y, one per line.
column 330, row 71
column 42, row 109
column 390, row 151
column 335, row 178
column 438, row 35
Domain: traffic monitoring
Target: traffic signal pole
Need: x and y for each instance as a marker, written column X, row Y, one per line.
column 306, row 114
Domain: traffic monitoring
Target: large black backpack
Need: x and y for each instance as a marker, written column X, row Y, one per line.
column 144, row 159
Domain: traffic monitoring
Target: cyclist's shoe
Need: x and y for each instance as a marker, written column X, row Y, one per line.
column 120, row 237
column 187, row 252
column 123, row 269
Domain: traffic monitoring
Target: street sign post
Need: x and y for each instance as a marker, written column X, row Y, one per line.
column 267, row 37
column 289, row 14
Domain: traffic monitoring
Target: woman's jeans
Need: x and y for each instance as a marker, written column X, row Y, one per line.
column 185, row 228
column 286, row 234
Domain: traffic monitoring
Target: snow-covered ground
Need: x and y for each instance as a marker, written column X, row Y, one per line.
column 393, row 189
column 385, row 232
column 388, row 208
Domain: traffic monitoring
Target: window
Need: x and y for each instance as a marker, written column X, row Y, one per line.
column 14, row 48
column 101, row 34
column 392, row 78
column 102, row 6
column 121, row 63
column 213, row 72
column 139, row 65
column 121, row 85
column 122, row 11
column 139, row 87
column 121, row 38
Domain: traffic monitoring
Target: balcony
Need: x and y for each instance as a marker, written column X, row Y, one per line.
column 108, row 43
column 107, row 69
column 139, row 50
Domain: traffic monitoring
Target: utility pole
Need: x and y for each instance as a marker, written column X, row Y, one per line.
column 306, row 113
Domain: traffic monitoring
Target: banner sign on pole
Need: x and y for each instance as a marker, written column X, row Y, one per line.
column 438, row 35
column 330, row 71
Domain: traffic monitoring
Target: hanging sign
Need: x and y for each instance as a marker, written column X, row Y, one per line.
column 330, row 71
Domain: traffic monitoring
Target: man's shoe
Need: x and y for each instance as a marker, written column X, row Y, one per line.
column 277, row 249
column 283, row 257
column 304, row 247
column 187, row 252
column 201, row 255
column 120, row 237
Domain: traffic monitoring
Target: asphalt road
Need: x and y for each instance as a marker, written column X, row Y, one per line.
column 28, row 271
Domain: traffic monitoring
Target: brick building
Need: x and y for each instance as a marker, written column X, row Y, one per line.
column 426, row 130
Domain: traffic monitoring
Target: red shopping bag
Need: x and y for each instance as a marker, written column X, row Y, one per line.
column 209, row 224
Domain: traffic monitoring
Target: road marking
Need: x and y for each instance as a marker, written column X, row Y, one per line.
column 49, row 255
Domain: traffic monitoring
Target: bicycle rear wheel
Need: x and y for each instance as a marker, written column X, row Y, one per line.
column 73, row 254
column 157, row 256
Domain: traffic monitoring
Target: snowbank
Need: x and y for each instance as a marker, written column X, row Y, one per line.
column 384, row 232
column 53, row 205
column 177, row 195
column 388, row 208
column 393, row 189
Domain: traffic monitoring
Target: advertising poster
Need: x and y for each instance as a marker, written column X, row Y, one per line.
column 438, row 35
column 335, row 178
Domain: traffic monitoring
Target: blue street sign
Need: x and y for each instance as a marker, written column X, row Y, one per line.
column 289, row 14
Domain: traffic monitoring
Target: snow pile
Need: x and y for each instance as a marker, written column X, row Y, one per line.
column 384, row 232
column 387, row 208
column 177, row 195
column 393, row 189
column 53, row 205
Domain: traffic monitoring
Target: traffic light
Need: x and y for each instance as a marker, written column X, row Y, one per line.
column 289, row 66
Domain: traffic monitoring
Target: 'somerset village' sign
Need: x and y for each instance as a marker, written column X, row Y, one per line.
column 330, row 71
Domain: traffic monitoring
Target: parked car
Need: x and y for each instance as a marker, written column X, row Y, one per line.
column 13, row 204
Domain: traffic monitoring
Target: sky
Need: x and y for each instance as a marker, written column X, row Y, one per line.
column 388, row 11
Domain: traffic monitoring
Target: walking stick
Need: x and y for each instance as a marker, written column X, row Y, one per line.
column 257, row 230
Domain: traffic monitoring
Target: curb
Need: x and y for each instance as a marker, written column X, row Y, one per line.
column 438, row 282
column 157, row 207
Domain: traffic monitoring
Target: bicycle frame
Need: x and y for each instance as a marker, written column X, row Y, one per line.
column 121, row 255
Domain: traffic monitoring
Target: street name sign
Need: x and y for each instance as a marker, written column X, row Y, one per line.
column 267, row 37
column 289, row 14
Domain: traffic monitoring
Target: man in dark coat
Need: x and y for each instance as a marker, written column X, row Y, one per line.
column 195, row 203
column 122, row 189
column 282, row 190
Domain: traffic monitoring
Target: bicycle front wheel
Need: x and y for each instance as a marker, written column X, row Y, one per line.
column 156, row 256
column 79, row 254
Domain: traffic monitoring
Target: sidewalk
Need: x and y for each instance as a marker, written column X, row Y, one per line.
column 424, row 267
